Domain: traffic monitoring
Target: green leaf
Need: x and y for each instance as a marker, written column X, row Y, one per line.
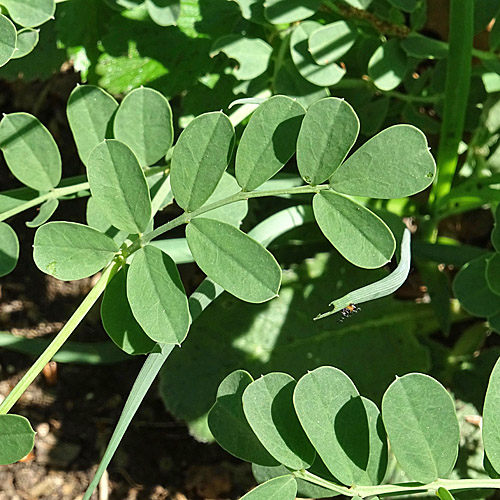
column 357, row 233
column 491, row 422
column 17, row 437
column 45, row 213
column 232, row 213
column 30, row 151
column 144, row 123
column 200, row 157
column 8, row 37
column 387, row 66
column 444, row 494
column 322, row 76
column 157, row 297
column 493, row 273
column 97, row 220
column 279, row 488
column 291, row 83
column 9, row 249
column 90, row 110
column 268, row 407
column 252, row 10
column 289, row 11
column 407, row 6
column 229, row 425
column 252, row 54
column 420, row 420
column 30, row 13
column 359, row 4
column 331, row 42
column 423, row 47
column 27, row 40
column 164, row 12
column 119, row 187
column 376, row 170
column 471, row 289
column 268, row 141
column 232, row 259
column 495, row 234
column 70, row 251
column 329, row 130
column 118, row 320
column 345, row 429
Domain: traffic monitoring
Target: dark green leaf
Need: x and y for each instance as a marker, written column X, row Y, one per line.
column 17, row 437
column 328, row 132
column 157, row 297
column 70, row 251
column 30, row 151
column 471, row 289
column 314, row 73
column 495, row 234
column 45, row 213
column 30, row 13
column 423, row 47
column 393, row 164
column 119, row 187
column 118, row 320
column 345, row 429
column 279, row 488
column 268, row 141
column 8, row 39
column 252, row 54
column 420, row 420
column 27, row 39
column 289, row 11
column 268, row 407
column 9, row 249
column 90, row 111
column 356, row 232
column 331, row 42
column 406, row 5
column 144, row 123
column 229, row 425
column 387, row 65
column 200, row 157
column 493, row 273
column 234, row 260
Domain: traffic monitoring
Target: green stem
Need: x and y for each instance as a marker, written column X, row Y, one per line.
column 240, row 196
column 61, row 337
column 397, row 489
column 456, row 95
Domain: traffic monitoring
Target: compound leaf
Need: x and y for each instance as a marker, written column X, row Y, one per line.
column 268, row 407
column 377, row 170
column 232, row 259
column 157, row 297
column 268, row 141
column 144, row 123
column 200, row 157
column 420, row 420
column 30, row 151
column 119, row 187
column 329, row 130
column 90, row 110
column 356, row 232
column 70, row 251
column 17, row 437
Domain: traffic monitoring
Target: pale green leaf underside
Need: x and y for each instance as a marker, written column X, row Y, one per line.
column 8, row 39
column 393, row 164
column 45, row 213
column 232, row 259
column 268, row 407
column 356, row 232
column 420, row 420
column 119, row 187
column 17, row 438
column 9, row 249
column 90, row 110
column 157, row 297
column 70, row 251
column 279, row 488
column 30, row 151
column 144, row 123
column 27, row 40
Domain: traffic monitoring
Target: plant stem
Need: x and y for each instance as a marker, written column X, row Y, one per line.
column 456, row 95
column 392, row 489
column 240, row 196
column 61, row 337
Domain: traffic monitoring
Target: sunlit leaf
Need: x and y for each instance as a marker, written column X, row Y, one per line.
column 17, row 437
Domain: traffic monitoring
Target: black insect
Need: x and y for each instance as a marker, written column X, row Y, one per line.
column 348, row 311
